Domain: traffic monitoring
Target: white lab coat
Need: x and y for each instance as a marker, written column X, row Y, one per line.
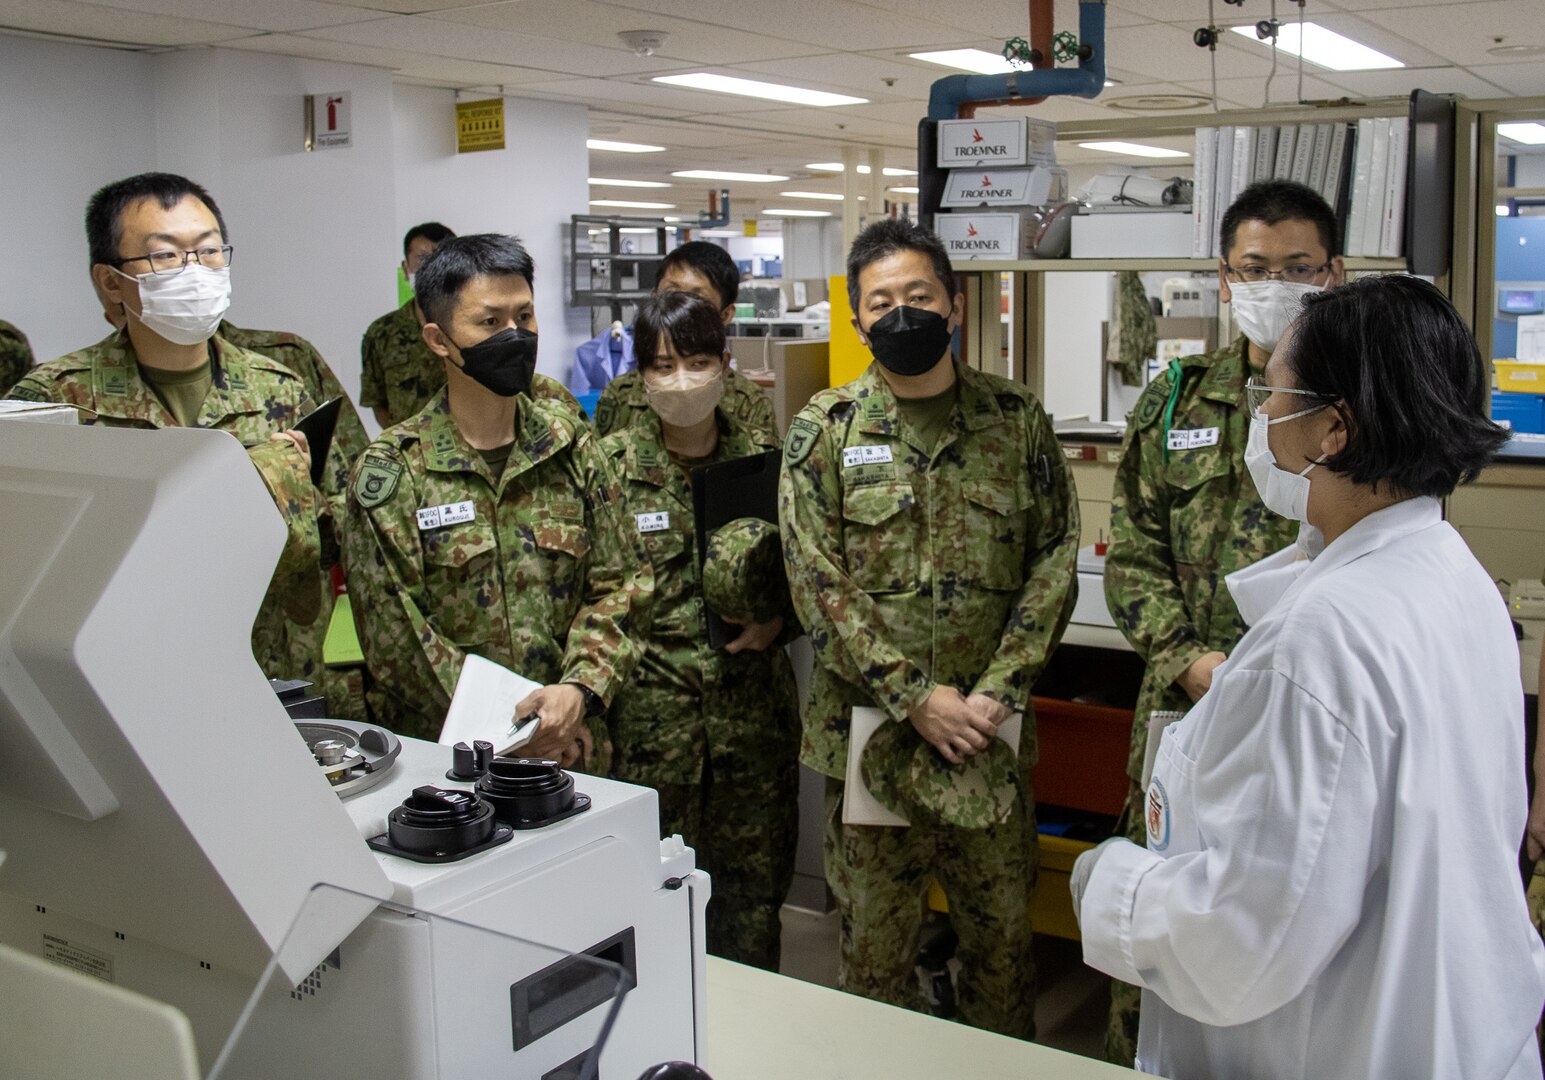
column 1331, row 882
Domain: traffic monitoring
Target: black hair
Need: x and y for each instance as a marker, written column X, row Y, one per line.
column 432, row 231
column 104, row 213
column 690, row 323
column 711, row 261
column 885, row 238
column 1275, row 201
column 1403, row 370
column 460, row 259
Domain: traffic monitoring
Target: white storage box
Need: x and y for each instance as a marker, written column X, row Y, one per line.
column 1033, row 186
column 1132, row 235
column 1016, row 141
column 968, row 235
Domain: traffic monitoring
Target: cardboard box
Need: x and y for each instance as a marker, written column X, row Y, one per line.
column 1204, row 330
column 1036, row 185
column 1157, row 235
column 1016, row 141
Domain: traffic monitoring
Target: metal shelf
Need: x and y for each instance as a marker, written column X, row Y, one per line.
column 1046, row 266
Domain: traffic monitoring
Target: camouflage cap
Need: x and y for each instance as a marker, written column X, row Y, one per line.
column 909, row 777
column 743, row 576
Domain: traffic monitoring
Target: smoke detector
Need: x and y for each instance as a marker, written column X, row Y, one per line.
column 644, row 42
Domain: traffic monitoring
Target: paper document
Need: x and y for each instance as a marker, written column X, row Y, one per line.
column 483, row 706
column 859, row 807
column 1531, row 339
column 1158, row 720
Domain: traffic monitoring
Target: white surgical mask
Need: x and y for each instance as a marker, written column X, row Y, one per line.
column 685, row 398
column 1263, row 309
column 183, row 308
column 1283, row 493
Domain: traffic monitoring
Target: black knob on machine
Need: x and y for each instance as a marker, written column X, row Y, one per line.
column 464, row 765
column 440, row 825
column 674, row 1070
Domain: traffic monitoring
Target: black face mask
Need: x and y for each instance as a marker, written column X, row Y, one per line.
column 503, row 363
column 909, row 340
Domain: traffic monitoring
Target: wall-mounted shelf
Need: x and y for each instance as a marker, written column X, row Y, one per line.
column 1183, row 265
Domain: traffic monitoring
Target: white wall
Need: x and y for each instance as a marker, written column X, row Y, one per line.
column 317, row 234
column 529, row 189
column 71, row 120
column 1076, row 304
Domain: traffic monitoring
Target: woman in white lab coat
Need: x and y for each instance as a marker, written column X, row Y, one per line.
column 1330, row 886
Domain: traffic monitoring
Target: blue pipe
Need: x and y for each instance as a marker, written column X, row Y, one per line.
column 1087, row 80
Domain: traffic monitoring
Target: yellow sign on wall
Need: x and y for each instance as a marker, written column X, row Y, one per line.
column 848, row 355
column 479, row 125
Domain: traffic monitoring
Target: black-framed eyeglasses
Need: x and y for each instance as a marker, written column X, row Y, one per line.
column 1256, row 393
column 1301, row 274
column 167, row 263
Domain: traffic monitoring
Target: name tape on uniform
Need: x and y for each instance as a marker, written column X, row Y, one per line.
column 1191, row 438
column 651, row 523
column 438, row 517
column 865, row 455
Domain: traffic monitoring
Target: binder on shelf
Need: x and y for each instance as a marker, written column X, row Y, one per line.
column 1352, row 235
column 1222, row 178
column 1201, row 193
column 1320, row 158
column 1265, row 151
column 1244, row 161
column 1378, row 175
column 1287, row 135
column 1337, row 163
column 1395, row 188
column 1303, row 153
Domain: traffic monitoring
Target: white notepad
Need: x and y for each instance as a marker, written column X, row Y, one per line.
column 859, row 806
column 483, row 706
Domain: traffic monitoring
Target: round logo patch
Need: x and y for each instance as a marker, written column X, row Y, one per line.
column 1158, row 816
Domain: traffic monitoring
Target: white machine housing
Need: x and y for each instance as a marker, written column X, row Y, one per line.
column 164, row 825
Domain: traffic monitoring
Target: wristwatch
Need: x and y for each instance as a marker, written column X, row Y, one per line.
column 594, row 706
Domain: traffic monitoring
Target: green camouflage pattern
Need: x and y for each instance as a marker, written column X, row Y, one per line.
column 1178, row 527
column 716, row 734
column 252, row 398
column 546, row 578
column 909, row 777
column 743, row 575
column 301, row 357
column 623, row 404
column 953, row 568
column 15, row 355
column 879, row 877
column 1137, row 335
column 398, row 371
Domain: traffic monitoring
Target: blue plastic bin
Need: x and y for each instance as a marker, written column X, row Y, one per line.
column 1521, row 412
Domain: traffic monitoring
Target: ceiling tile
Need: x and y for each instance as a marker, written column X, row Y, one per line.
column 408, row 7
column 1461, row 33
column 1521, row 79
column 278, row 15
column 1250, row 93
column 97, row 23
column 336, row 51
column 1400, row 83
column 818, row 23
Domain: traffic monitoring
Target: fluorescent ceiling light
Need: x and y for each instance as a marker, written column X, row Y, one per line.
column 634, row 205
column 903, row 190
column 743, row 177
column 1323, row 47
column 602, row 182
column 727, row 84
column 1502, row 209
column 721, row 233
column 978, row 60
column 863, row 170
column 1132, row 149
column 1529, row 134
column 827, row 195
column 779, row 211
column 623, row 147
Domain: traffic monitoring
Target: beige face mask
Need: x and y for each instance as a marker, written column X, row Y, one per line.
column 685, row 398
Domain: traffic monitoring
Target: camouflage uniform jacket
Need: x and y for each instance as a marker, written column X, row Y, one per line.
column 689, row 703
column 301, row 357
column 910, row 569
column 15, row 355
column 538, row 573
column 1178, row 526
column 398, row 371
column 251, row 397
column 623, row 404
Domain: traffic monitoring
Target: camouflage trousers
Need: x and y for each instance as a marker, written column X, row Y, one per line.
column 1126, row 999
column 288, row 648
column 744, row 832
column 880, row 878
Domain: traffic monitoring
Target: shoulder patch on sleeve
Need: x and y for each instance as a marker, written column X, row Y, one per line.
column 1148, row 408
column 802, row 436
column 377, row 480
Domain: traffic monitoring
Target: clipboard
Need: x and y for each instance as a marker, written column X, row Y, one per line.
column 317, row 426
column 724, row 492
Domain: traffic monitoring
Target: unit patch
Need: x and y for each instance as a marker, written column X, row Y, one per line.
column 377, row 481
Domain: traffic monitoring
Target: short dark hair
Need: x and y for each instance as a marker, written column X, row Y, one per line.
column 1273, row 202
column 1403, row 370
column 885, row 238
column 460, row 259
column 432, row 231
column 104, row 213
column 684, row 319
column 710, row 260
